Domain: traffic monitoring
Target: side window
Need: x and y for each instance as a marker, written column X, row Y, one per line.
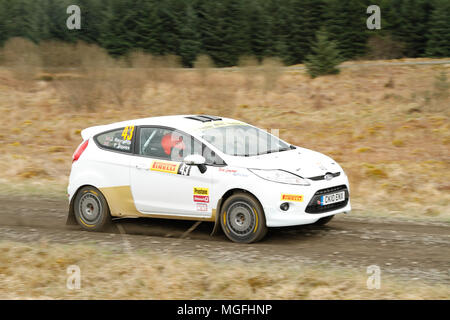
column 118, row 140
column 211, row 157
column 155, row 142
column 169, row 144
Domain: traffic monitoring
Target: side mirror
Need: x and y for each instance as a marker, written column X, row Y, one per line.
column 196, row 160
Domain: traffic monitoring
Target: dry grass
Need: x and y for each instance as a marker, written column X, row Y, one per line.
column 39, row 272
column 388, row 126
column 24, row 60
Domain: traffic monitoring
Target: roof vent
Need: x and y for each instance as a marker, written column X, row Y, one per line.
column 204, row 118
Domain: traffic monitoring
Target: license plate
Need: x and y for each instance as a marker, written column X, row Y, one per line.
column 332, row 198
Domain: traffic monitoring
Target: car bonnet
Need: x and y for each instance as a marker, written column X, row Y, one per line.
column 303, row 162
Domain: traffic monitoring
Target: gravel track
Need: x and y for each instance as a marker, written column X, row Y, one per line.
column 409, row 250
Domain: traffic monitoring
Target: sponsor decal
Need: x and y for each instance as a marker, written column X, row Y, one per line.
column 201, row 198
column 292, row 197
column 202, row 207
column 227, row 170
column 171, row 167
column 233, row 172
column 201, row 195
column 201, row 191
column 163, row 166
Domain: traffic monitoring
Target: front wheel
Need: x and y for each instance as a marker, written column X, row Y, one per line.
column 242, row 219
column 91, row 209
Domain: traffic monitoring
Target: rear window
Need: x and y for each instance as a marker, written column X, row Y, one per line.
column 118, row 140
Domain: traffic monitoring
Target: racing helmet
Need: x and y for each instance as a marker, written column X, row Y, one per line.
column 170, row 141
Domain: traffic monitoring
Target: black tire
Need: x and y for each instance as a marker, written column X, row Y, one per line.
column 242, row 219
column 91, row 209
column 323, row 221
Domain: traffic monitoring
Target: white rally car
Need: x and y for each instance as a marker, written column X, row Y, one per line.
column 202, row 168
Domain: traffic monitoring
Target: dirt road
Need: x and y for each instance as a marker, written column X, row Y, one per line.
column 408, row 250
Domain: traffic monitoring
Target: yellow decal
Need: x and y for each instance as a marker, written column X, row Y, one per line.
column 130, row 136
column 221, row 123
column 292, row 197
column 91, row 191
column 201, row 191
column 256, row 217
column 163, row 166
column 121, row 204
column 87, row 225
column 127, row 133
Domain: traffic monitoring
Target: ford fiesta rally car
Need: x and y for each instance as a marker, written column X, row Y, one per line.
column 203, row 168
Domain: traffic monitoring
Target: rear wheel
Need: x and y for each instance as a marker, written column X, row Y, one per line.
column 242, row 219
column 91, row 209
column 323, row 221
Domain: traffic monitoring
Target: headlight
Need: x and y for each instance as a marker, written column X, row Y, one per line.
column 280, row 176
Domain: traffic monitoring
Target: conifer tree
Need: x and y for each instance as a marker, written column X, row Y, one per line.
column 92, row 17
column 226, row 30
column 23, row 19
column 115, row 36
column 304, row 22
column 278, row 17
column 189, row 38
column 235, row 41
column 438, row 44
column 346, row 23
column 211, row 30
column 169, row 14
column 412, row 30
column 258, row 29
column 55, row 19
column 325, row 56
column 4, row 35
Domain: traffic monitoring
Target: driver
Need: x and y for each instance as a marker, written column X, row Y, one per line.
column 173, row 146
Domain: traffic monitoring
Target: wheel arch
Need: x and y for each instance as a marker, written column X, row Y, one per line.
column 71, row 216
column 222, row 200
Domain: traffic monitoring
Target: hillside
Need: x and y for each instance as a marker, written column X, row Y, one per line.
column 386, row 123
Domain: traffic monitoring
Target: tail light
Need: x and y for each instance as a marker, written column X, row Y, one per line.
column 79, row 151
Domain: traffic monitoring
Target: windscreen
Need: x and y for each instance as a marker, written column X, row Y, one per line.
column 243, row 140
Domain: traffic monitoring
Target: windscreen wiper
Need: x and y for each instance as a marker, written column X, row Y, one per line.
column 276, row 150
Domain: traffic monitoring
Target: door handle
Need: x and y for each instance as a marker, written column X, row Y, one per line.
column 141, row 166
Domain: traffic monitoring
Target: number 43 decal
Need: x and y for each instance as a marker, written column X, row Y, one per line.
column 127, row 133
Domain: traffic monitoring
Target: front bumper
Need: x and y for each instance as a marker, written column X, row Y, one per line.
column 305, row 211
column 276, row 219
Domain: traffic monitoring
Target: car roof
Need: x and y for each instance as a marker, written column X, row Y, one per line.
column 188, row 123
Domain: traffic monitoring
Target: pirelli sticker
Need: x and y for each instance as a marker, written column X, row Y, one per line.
column 201, row 195
column 171, row 167
column 292, row 197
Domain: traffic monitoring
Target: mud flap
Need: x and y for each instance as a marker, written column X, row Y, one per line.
column 71, row 221
column 216, row 222
column 215, row 228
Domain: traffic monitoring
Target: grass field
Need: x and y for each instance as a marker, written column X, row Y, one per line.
column 39, row 271
column 388, row 126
